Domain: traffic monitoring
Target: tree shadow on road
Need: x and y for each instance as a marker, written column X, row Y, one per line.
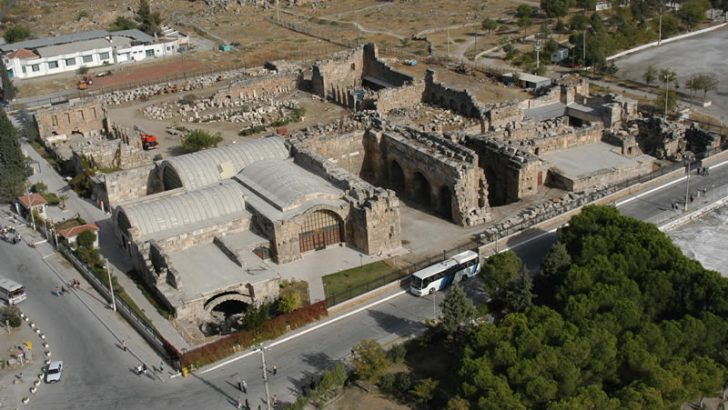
column 397, row 325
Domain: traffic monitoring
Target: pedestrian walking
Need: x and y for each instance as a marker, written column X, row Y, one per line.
column 240, row 403
column 275, row 370
column 275, row 400
column 161, row 367
column 63, row 290
column 240, row 384
column 247, row 404
column 244, row 387
column 123, row 345
column 312, row 384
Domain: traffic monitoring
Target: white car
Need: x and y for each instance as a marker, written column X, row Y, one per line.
column 53, row 374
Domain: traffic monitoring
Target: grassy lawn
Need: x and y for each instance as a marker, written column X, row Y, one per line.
column 355, row 281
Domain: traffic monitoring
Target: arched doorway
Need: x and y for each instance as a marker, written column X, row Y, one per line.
column 226, row 313
column 421, row 189
column 319, row 230
column 396, row 176
column 445, row 202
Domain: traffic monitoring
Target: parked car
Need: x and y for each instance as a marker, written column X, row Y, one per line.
column 54, row 372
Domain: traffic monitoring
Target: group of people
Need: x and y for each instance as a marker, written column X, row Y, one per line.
column 10, row 234
column 244, row 404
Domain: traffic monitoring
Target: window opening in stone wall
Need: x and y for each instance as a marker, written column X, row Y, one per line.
column 54, row 120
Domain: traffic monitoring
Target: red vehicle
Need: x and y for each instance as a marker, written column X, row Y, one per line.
column 149, row 141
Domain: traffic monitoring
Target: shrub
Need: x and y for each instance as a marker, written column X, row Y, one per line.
column 386, row 383
column 11, row 314
column 39, row 188
column 86, row 239
column 51, row 198
column 397, row 353
column 90, row 256
column 251, row 130
column 403, row 382
column 369, row 360
column 157, row 157
column 81, row 14
column 123, row 23
column 197, row 140
column 289, row 302
column 17, row 33
column 83, row 70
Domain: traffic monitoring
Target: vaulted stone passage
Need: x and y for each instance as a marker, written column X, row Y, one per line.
column 421, row 189
column 396, row 176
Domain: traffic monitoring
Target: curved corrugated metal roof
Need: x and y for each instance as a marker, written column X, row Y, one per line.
column 223, row 199
column 207, row 167
column 286, row 185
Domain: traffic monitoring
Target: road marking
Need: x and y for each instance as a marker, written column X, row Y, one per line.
column 628, row 200
column 299, row 334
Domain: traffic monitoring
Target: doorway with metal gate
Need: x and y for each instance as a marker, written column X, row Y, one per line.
column 320, row 229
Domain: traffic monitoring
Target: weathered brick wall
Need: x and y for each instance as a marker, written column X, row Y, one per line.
column 569, row 138
column 204, row 234
column 331, row 78
column 81, row 118
column 377, row 68
column 459, row 101
column 346, row 151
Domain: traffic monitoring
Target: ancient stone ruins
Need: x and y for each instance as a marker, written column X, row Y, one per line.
column 199, row 226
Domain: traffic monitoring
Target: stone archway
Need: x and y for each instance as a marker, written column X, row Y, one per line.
column 320, row 229
column 396, row 176
column 226, row 297
column 421, row 189
column 445, row 207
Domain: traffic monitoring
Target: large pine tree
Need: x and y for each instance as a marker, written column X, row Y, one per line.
column 13, row 167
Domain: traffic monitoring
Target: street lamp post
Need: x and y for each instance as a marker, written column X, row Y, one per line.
column 111, row 286
column 688, row 160
column 30, row 209
column 434, row 306
column 265, row 376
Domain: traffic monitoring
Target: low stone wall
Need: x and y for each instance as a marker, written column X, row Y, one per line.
column 599, row 178
column 204, row 234
column 573, row 137
column 126, row 185
column 252, row 88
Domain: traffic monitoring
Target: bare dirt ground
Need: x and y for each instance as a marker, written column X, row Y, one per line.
column 258, row 39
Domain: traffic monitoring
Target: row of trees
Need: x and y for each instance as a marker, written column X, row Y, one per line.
column 144, row 19
column 13, row 166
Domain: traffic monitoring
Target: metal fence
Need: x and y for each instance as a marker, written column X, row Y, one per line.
column 145, row 329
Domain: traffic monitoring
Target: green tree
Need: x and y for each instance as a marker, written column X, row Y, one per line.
column 17, row 33
column 489, row 25
column 650, row 74
column 13, row 168
column 667, row 76
column 587, row 5
column 524, row 22
column 499, row 271
column 7, row 85
column 123, row 23
column 197, row 140
column 289, row 302
column 519, row 293
column 524, row 10
column 424, row 390
column 86, row 239
column 12, row 315
column 704, row 82
column 556, row 8
column 456, row 309
column 369, row 360
column 579, row 22
column 692, row 12
column 457, row 403
column 149, row 21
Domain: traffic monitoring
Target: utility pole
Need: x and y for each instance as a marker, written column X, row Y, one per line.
column 111, row 286
column 434, row 306
column 583, row 48
column 688, row 160
column 30, row 208
column 537, row 47
column 265, row 376
column 659, row 30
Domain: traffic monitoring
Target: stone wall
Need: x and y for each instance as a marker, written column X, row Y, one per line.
column 255, row 87
column 597, row 179
column 373, row 223
column 345, row 151
column 571, row 137
column 204, row 234
column 332, row 78
column 401, row 97
column 126, row 185
column 109, row 154
column 437, row 173
column 85, row 118
column 374, row 67
column 512, row 173
column 459, row 101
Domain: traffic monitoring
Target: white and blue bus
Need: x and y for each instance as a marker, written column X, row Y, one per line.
column 440, row 275
column 11, row 292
